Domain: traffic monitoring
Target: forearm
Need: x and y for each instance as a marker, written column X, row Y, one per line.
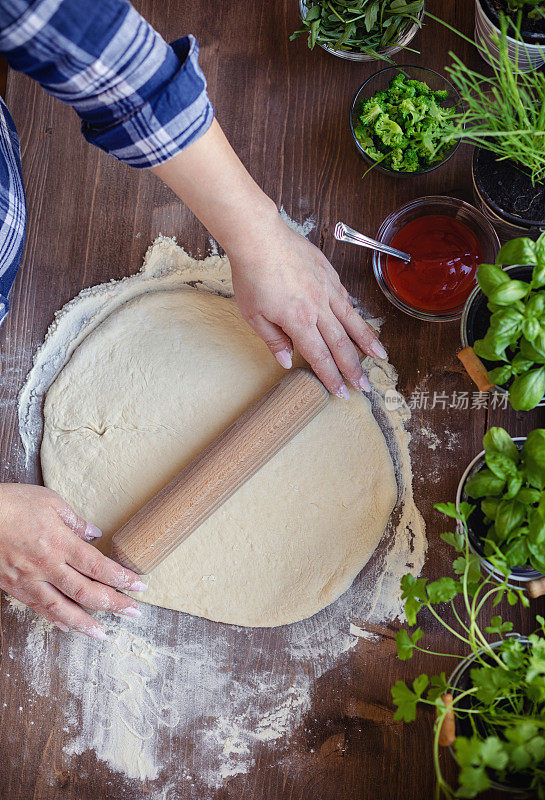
column 211, row 180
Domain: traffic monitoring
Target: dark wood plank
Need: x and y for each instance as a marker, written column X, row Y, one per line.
column 285, row 110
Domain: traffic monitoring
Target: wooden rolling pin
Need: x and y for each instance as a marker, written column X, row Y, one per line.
column 199, row 489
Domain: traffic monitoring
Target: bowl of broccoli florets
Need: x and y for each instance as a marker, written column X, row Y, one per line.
column 401, row 118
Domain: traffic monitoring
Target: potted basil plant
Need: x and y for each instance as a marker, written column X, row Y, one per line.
column 504, row 321
column 507, row 526
column 527, row 23
column 491, row 710
column 360, row 30
column 503, row 115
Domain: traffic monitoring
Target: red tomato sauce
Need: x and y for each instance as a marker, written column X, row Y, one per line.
column 445, row 255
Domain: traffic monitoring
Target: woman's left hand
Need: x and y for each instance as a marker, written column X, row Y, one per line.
column 291, row 296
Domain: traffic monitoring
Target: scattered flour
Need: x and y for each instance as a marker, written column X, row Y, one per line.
column 168, row 676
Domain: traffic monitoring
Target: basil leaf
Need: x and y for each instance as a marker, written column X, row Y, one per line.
column 484, row 484
column 517, row 251
column 509, row 514
column 506, row 321
column 528, row 496
column 538, row 276
column 540, row 251
column 497, row 440
column 536, row 304
column 527, row 390
column 536, row 531
column 489, row 507
column 531, row 328
column 489, row 276
column 492, row 347
column 537, row 560
column 533, row 457
column 519, row 364
column 514, row 484
column 508, row 292
column 502, row 466
column 517, row 553
column 531, row 352
column 500, row 375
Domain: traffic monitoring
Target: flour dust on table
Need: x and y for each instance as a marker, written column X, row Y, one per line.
column 150, row 388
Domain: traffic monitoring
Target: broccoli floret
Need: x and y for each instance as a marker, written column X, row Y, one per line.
column 396, row 158
column 371, row 110
column 421, row 89
column 398, row 89
column 382, row 96
column 409, row 111
column 425, row 146
column 423, row 105
column 410, row 161
column 440, row 114
column 440, row 95
column 368, row 144
column 388, row 131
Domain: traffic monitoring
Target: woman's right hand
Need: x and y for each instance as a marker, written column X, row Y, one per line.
column 47, row 563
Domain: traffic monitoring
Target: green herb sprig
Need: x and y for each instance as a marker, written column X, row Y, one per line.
column 402, row 127
column 504, row 112
column 516, row 334
column 511, row 494
column 358, row 26
column 504, row 703
column 535, row 8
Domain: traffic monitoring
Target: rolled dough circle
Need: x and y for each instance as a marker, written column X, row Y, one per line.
column 147, row 391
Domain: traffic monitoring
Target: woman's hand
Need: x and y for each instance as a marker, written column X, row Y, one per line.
column 286, row 288
column 290, row 294
column 47, row 563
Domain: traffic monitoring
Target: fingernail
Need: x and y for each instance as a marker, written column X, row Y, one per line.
column 377, row 350
column 343, row 392
column 138, row 586
column 92, row 532
column 284, row 358
column 363, row 383
column 62, row 627
column 97, row 633
column 131, row 612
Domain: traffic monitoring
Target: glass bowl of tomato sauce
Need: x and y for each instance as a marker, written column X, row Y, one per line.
column 447, row 239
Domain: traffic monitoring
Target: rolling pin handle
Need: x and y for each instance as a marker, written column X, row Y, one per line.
column 536, row 588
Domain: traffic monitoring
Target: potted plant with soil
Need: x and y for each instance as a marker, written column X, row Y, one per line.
column 360, row 30
column 491, row 710
column 504, row 117
column 527, row 19
column 504, row 321
column 507, row 526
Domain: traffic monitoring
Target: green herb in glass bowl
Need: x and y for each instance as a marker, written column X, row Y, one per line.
column 403, row 127
column 360, row 29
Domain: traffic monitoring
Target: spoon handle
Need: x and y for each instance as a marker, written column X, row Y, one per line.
column 344, row 233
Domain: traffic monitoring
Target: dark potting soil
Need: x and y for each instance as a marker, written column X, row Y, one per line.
column 509, row 190
column 533, row 30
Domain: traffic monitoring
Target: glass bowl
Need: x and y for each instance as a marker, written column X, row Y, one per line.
column 421, row 207
column 407, row 35
column 378, row 82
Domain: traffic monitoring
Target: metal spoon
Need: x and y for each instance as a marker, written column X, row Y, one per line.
column 344, row 233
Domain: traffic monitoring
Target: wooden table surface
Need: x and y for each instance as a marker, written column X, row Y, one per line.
column 285, row 109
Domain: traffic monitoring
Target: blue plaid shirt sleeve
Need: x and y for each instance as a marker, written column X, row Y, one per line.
column 139, row 98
